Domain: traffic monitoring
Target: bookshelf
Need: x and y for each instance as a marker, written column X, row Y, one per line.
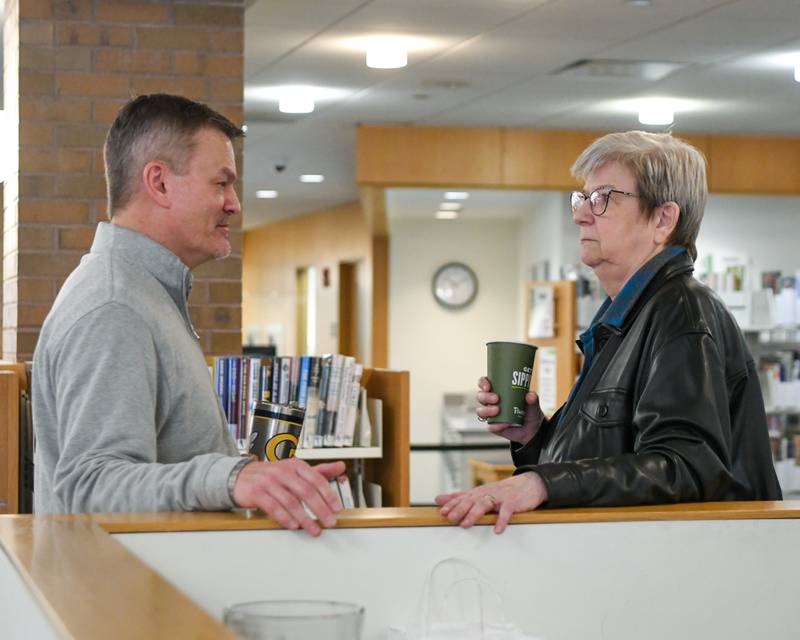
column 13, row 382
column 387, row 464
column 564, row 334
column 340, row 453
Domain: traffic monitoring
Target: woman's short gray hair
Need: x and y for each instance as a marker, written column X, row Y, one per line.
column 666, row 169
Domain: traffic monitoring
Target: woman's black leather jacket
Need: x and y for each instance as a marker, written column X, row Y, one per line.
column 670, row 411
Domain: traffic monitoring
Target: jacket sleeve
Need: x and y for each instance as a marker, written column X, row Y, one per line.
column 681, row 448
column 104, row 374
column 529, row 453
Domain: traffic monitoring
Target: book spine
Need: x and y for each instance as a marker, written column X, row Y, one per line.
column 221, row 374
column 294, row 379
column 286, row 380
column 233, row 395
column 266, row 379
column 339, row 428
column 352, row 408
column 324, row 384
column 244, row 383
column 332, row 401
column 276, row 379
column 252, row 392
column 302, row 389
column 312, row 403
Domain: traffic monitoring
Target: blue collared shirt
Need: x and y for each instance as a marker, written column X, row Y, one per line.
column 612, row 313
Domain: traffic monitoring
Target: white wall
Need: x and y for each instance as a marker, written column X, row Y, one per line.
column 765, row 228
column 715, row 580
column 444, row 350
column 541, row 239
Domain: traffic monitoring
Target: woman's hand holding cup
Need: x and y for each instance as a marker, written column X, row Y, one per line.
column 489, row 407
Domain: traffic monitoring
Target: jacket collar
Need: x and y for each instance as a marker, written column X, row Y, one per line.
column 617, row 315
column 148, row 255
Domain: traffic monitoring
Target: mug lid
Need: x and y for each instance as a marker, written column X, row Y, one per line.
column 275, row 410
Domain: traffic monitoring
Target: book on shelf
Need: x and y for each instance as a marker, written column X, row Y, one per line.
column 327, row 387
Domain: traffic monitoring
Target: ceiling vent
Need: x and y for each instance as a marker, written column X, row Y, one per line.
column 622, row 69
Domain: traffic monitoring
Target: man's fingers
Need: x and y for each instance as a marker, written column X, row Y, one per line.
column 330, row 470
column 275, row 509
column 313, row 490
column 290, row 499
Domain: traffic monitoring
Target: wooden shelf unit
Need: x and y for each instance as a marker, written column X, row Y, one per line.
column 13, row 381
column 563, row 341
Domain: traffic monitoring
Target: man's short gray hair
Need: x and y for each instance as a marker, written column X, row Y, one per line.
column 154, row 127
column 665, row 168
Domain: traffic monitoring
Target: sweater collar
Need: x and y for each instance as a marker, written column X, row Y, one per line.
column 147, row 254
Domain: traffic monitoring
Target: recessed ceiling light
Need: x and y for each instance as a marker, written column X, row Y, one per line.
column 446, row 215
column 456, row 195
column 312, row 177
column 656, row 114
column 639, row 3
column 450, row 206
column 266, row 193
column 297, row 99
column 389, row 53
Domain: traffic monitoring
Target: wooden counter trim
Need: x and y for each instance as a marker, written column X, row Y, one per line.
column 91, row 587
column 429, row 517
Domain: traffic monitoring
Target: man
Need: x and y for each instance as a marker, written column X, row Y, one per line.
column 668, row 406
column 125, row 414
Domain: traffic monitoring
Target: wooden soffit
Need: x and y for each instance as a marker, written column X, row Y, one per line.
column 496, row 158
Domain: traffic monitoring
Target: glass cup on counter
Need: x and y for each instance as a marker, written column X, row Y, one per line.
column 295, row 620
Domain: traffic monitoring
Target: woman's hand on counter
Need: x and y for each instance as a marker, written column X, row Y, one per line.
column 280, row 488
column 489, row 402
column 524, row 492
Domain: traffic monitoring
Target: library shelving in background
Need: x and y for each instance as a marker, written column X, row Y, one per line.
column 386, row 464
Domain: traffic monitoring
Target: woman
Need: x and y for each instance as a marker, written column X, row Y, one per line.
column 667, row 407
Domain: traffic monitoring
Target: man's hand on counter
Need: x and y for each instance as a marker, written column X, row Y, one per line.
column 524, row 492
column 280, row 488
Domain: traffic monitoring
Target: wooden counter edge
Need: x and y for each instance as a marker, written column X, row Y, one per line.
column 430, row 517
column 89, row 586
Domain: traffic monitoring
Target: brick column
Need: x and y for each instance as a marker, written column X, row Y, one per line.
column 69, row 66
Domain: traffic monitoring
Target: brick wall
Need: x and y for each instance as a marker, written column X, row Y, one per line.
column 70, row 66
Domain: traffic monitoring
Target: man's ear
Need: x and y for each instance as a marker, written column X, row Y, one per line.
column 154, row 182
column 666, row 218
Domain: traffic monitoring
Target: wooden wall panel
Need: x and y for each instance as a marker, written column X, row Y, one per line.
column 440, row 156
column 754, row 165
column 530, row 159
column 273, row 253
column 542, row 159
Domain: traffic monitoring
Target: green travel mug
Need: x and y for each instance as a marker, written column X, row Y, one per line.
column 509, row 369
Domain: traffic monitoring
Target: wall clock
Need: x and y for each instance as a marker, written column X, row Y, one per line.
column 454, row 285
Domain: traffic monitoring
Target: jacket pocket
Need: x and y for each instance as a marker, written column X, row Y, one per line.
column 607, row 408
